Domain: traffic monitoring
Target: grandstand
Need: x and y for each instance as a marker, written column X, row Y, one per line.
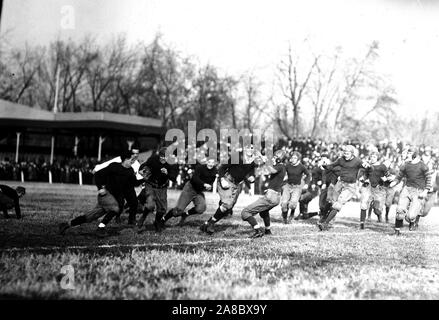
column 27, row 132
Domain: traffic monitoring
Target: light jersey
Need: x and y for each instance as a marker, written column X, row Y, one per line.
column 135, row 166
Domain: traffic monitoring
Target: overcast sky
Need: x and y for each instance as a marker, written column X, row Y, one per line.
column 240, row 35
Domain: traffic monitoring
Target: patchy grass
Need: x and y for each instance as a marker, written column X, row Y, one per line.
column 297, row 262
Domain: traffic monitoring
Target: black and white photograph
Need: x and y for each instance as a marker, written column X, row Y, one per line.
column 238, row 152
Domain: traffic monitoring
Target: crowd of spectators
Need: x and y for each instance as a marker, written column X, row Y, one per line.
column 37, row 170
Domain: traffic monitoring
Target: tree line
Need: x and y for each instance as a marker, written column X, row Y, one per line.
column 321, row 95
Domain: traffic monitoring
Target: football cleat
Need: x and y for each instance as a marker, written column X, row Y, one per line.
column 259, row 232
column 183, row 218
column 268, row 232
column 158, row 226
column 207, row 228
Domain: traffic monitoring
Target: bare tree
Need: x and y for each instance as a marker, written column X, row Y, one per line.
column 294, row 77
column 19, row 75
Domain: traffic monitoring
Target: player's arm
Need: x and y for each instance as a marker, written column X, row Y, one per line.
column 196, row 180
column 101, row 179
column 272, row 169
column 223, row 170
column 331, row 166
column 172, row 172
column 308, row 176
column 399, row 176
column 250, row 177
column 428, row 183
column 136, row 182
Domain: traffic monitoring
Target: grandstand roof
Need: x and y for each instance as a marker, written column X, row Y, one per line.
column 21, row 116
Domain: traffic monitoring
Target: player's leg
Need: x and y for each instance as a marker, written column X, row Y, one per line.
column 284, row 200
column 132, row 203
column 304, row 201
column 112, row 208
column 105, row 204
column 365, row 201
column 199, row 207
column 369, row 211
column 324, row 204
column 415, row 208
column 401, row 210
column 334, row 192
column 265, row 215
column 390, row 195
column 348, row 191
column 248, row 213
column 186, row 196
column 296, row 192
column 264, row 203
column 161, row 202
column 378, row 195
column 148, row 207
column 228, row 199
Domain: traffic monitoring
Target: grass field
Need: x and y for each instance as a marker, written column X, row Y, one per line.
column 296, row 262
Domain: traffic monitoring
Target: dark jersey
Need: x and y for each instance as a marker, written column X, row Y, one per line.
column 317, row 175
column 330, row 176
column 117, row 179
column 295, row 174
column 275, row 180
column 12, row 194
column 417, row 175
column 348, row 168
column 157, row 178
column 374, row 173
column 202, row 175
column 237, row 172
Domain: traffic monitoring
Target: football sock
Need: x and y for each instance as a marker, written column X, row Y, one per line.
column 398, row 224
column 363, row 215
column 191, row 211
column 331, row 215
column 265, row 215
column 252, row 222
column 78, row 220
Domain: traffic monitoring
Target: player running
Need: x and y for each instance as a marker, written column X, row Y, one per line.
column 346, row 188
column 157, row 173
column 112, row 183
column 292, row 189
column 269, row 200
column 230, row 179
column 202, row 180
column 372, row 189
column 431, row 194
column 415, row 191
